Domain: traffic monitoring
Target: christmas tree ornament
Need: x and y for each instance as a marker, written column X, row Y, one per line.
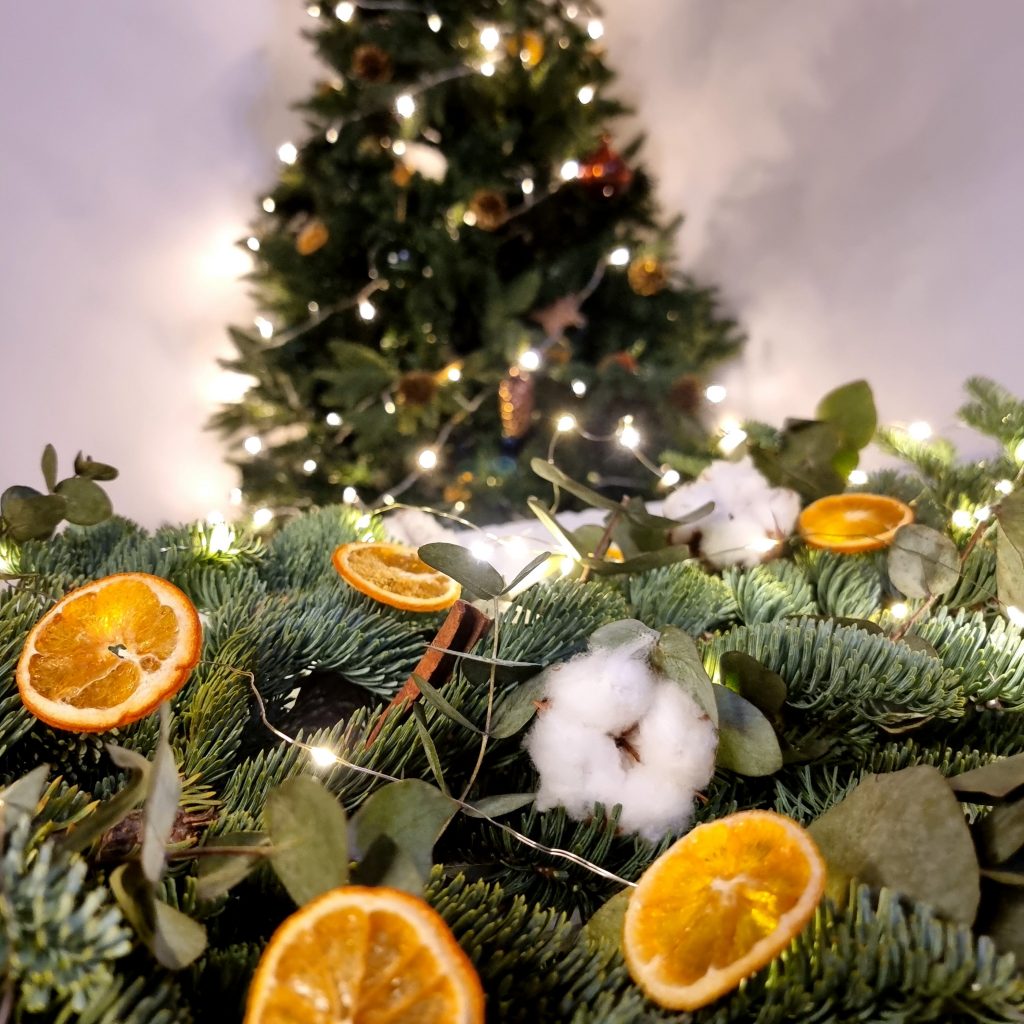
column 853, row 523
column 528, row 46
column 687, row 393
column 515, row 404
column 647, row 276
column 372, row 64
column 459, row 488
column 625, row 361
column 558, row 317
column 394, row 574
column 489, row 209
column 313, row 236
column 401, row 175
column 417, row 388
column 604, row 170
column 108, row 653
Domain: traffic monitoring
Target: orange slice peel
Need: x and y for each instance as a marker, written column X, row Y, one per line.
column 853, row 523
column 109, row 653
column 395, row 575
column 373, row 955
column 718, row 905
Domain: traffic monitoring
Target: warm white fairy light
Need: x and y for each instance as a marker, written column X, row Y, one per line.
column 220, row 539
column 595, row 29
column 565, row 423
column 322, row 757
column 313, row 307
column 1015, row 615
column 388, row 499
column 481, row 550
column 1018, row 452
column 427, row 458
column 333, row 419
column 434, row 22
column 527, row 186
column 530, row 359
column 1005, row 487
column 628, row 435
column 619, row 257
column 331, row 135
column 670, row 478
column 571, row 169
column 350, row 496
column 490, row 38
column 253, row 445
column 487, row 69
column 579, row 388
column 715, row 393
column 962, row 519
column 857, row 477
column 345, row 11
column 405, row 105
column 235, row 496
column 253, row 243
column 454, row 374
column 762, row 545
column 264, row 326
column 261, row 517
column 469, row 218
column 229, row 387
column 566, row 565
column 313, row 10
column 364, row 521
column 983, row 514
column 287, row 153
column 269, row 205
column 733, row 435
column 390, row 408
column 919, row 430
column 367, row 310
column 899, row 610
column 309, row 466
column 586, row 94
column 398, row 147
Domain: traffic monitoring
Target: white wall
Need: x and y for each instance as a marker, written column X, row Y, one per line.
column 850, row 171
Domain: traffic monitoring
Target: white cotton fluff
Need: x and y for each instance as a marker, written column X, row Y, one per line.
column 429, row 161
column 614, row 731
column 747, row 511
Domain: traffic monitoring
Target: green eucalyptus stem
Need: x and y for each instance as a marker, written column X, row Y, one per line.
column 603, row 544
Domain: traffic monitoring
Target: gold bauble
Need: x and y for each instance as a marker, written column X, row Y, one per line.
column 647, row 275
column 528, row 46
column 312, row 237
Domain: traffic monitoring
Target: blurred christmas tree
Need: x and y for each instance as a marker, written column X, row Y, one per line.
column 456, row 261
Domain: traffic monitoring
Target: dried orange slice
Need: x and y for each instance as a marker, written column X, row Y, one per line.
column 852, row 523
column 718, row 905
column 108, row 653
column 395, row 575
column 372, row 956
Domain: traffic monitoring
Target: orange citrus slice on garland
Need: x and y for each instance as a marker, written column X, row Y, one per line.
column 108, row 653
column 395, row 575
column 366, row 955
column 852, row 523
column 718, row 905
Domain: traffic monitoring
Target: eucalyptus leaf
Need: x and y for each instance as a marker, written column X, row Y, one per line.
column 905, row 831
column 49, row 466
column 644, row 562
column 1010, row 550
column 177, row 940
column 804, row 459
column 87, row 502
column 386, row 863
column 515, row 711
column 765, row 689
column 997, row 779
column 851, row 410
column 309, row 832
column 543, row 513
column 1001, row 833
column 496, row 806
column 550, row 472
column 420, row 718
column 919, row 644
column 446, row 709
column 215, row 876
column 485, row 659
column 161, row 808
column 633, row 634
column 922, row 561
column 87, row 467
column 113, row 811
column 21, row 798
column 135, row 897
column 30, row 515
column 676, row 656
column 604, row 929
column 747, row 743
column 865, row 624
column 412, row 813
column 477, row 576
column 526, row 571
column 700, row 512
column 1014, row 878
column 1004, row 918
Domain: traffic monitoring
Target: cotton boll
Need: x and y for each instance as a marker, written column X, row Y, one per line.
column 784, row 509
column 654, row 806
column 728, row 542
column 676, row 738
column 684, row 500
column 414, row 527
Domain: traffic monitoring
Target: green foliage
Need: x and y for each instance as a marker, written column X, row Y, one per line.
column 769, row 592
column 680, row 595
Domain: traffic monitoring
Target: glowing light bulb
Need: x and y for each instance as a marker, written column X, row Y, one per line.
column 434, row 22
column 530, row 359
column 527, row 186
column 595, row 29
column 367, row 310
column 1005, row 487
column 405, row 105
column 565, row 423
column 857, row 477
column 390, row 407
column 670, row 478
column 579, row 388
column 331, row 135
column 427, row 459
column 253, row 243
column 762, row 545
column 322, row 757
column 261, row 517
column 715, row 393
column 235, row 496
column 571, row 169
column 388, row 499
column 983, row 514
column 345, row 11
column 398, row 147
column 264, row 326
column 215, row 517
column 962, row 519
column 490, row 38
column 309, row 466
column 919, row 430
column 313, row 307
column 586, row 94
column 220, row 538
column 1018, row 452
column 364, row 521
column 333, row 419
column 269, row 205
column 1015, row 615
column 481, row 550
column 733, row 437
column 487, row 69
column 469, row 218
column 287, row 153
column 566, row 565
column 629, row 436
column 253, row 445
column 313, row 10
column 899, row 610
column 350, row 496
column 619, row 257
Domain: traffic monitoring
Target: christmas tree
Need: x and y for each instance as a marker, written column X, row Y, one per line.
column 457, row 259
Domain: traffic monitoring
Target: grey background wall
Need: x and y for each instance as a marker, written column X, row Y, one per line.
column 850, row 173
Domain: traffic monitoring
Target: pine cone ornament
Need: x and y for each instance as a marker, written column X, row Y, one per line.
column 647, row 276
column 489, row 208
column 313, row 236
column 687, row 393
column 417, row 388
column 372, row 64
column 605, row 171
column 515, row 395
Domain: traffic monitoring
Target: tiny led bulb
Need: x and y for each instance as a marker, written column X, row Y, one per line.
column 269, row 205
column 287, row 153
column 454, row 374
column 434, row 22
column 619, row 257
column 427, row 459
column 579, row 388
column 670, row 478
column 629, row 436
column 715, row 393
column 333, row 419
column 261, row 517
column 595, row 29
column 322, row 757
column 490, row 37
column 899, row 610
column 527, row 186
column 571, row 169
column 983, row 514
column 919, row 430
column 405, row 105
column 565, row 423
column 1005, row 487
column 367, row 310
column 309, row 465
column 345, row 11
column 350, row 495
column 962, row 519
column 253, row 445
column 264, row 326
column 487, row 69
column 586, row 94
column 530, row 359
column 253, row 243
column 857, row 477
column 1018, row 452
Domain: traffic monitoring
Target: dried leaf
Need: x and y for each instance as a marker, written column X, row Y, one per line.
column 676, row 656
column 765, row 689
column 49, row 466
column 161, row 808
column 553, row 475
column 1001, row 833
column 30, row 515
column 496, row 806
column 177, row 940
column 514, row 712
column 420, row 718
column 851, row 410
column 217, row 875
column 1010, row 550
column 922, row 561
column 386, row 863
column 113, row 811
column 92, row 470
column 604, row 929
column 747, row 743
column 21, row 798
column 475, row 575
column 997, row 779
column 446, row 709
column 87, row 502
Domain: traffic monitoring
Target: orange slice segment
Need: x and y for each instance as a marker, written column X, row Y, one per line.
column 395, row 575
column 718, row 905
column 108, row 653
column 852, row 523
column 365, row 956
